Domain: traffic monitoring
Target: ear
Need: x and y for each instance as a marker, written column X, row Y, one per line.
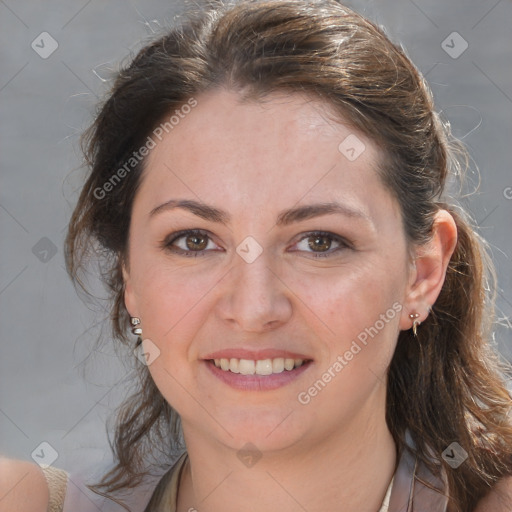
column 129, row 294
column 429, row 269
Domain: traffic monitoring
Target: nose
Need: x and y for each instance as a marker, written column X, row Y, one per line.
column 254, row 296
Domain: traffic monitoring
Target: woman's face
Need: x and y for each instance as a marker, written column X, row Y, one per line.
column 258, row 282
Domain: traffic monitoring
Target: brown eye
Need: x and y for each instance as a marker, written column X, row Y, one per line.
column 321, row 243
column 196, row 242
column 188, row 243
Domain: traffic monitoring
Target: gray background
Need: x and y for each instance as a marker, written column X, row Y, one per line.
column 53, row 386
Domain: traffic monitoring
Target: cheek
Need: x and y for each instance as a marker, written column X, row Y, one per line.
column 351, row 299
column 173, row 306
column 358, row 313
column 364, row 314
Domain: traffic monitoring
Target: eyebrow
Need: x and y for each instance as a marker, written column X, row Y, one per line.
column 285, row 217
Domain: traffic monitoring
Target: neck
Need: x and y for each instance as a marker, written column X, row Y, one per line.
column 352, row 467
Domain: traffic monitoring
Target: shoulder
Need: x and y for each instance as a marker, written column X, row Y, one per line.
column 23, row 487
column 499, row 498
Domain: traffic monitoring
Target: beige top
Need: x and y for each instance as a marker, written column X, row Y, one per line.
column 57, row 480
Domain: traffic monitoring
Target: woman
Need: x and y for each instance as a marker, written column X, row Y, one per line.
column 267, row 194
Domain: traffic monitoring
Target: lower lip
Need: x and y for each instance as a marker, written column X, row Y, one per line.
column 257, row 382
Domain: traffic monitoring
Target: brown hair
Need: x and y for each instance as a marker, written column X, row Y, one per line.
column 449, row 383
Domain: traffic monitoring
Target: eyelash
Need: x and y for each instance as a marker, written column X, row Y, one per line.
column 171, row 239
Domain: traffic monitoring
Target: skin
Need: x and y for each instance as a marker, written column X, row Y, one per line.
column 253, row 160
column 23, row 487
column 499, row 499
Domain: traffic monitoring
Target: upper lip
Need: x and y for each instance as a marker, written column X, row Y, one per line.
column 255, row 355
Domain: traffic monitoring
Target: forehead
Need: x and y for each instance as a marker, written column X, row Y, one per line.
column 283, row 148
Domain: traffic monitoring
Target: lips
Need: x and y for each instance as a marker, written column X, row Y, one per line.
column 257, row 370
column 256, row 355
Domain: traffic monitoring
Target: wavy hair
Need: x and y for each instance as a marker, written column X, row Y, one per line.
column 446, row 385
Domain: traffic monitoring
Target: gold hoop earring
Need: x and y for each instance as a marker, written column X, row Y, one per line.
column 415, row 323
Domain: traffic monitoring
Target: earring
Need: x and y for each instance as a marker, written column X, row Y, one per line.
column 415, row 323
column 136, row 329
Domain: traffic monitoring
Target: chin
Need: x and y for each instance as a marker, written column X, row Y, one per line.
column 267, row 430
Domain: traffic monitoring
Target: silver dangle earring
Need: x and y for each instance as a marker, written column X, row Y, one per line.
column 136, row 329
column 415, row 323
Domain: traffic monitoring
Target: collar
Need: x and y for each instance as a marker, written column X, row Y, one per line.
column 415, row 488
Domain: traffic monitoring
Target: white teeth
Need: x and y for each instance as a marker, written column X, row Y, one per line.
column 246, row 367
column 289, row 364
column 278, row 365
column 264, row 367
column 233, row 365
column 259, row 367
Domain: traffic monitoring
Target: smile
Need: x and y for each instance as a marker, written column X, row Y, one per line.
column 257, row 374
column 258, row 367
